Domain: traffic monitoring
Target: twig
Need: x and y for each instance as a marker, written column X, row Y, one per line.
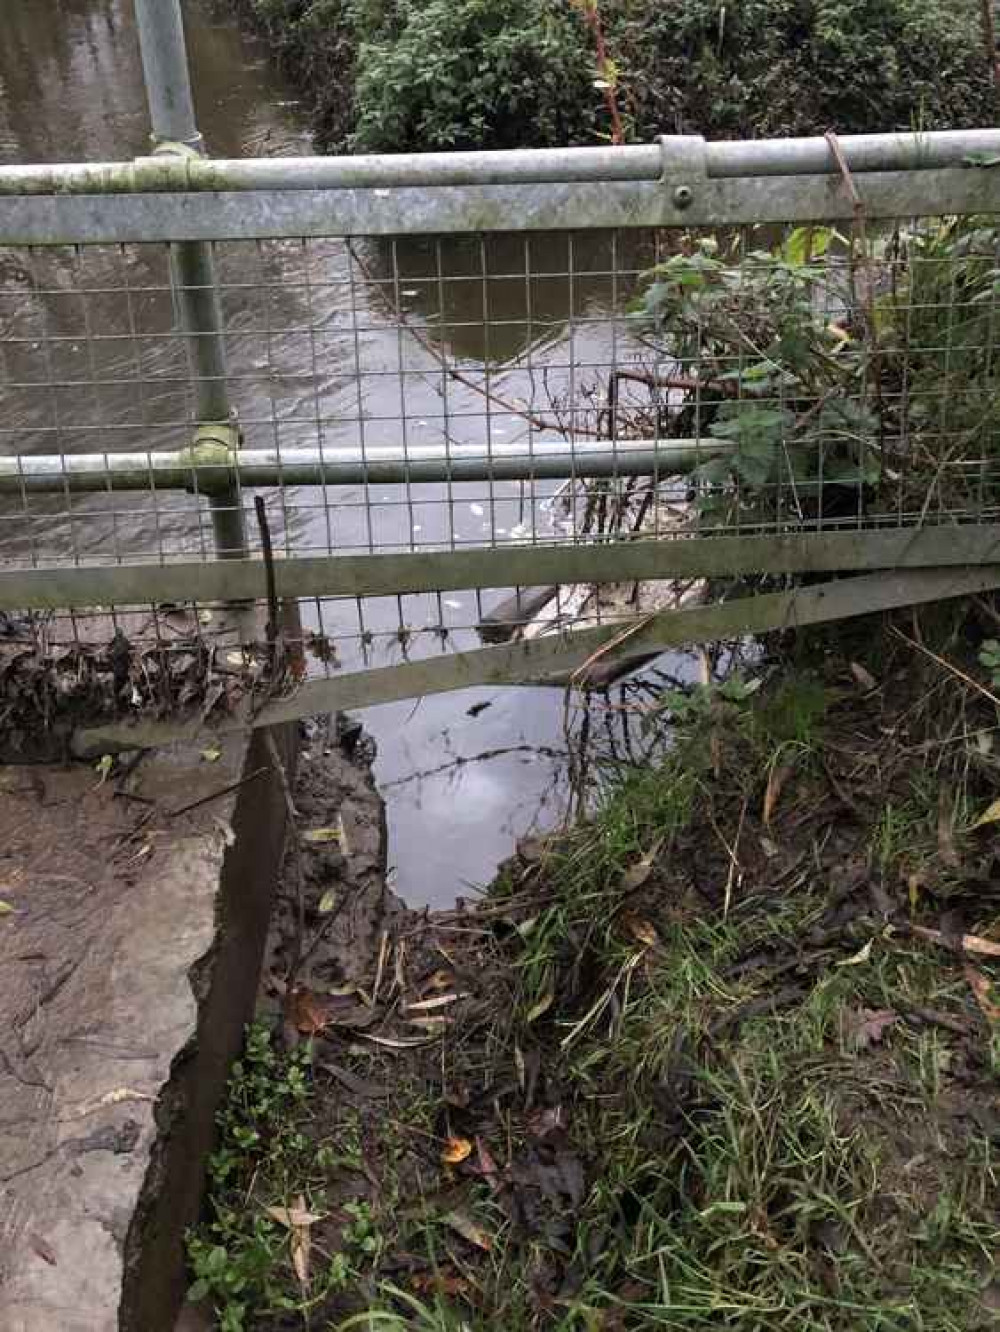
column 216, row 795
column 948, row 666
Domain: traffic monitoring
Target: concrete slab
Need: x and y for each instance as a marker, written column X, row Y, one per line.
column 129, row 961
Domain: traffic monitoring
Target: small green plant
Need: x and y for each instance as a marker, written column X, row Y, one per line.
column 989, row 657
column 240, row 1256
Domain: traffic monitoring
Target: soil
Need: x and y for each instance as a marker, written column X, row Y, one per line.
column 490, row 1112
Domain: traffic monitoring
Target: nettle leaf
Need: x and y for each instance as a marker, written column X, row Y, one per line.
column 758, row 432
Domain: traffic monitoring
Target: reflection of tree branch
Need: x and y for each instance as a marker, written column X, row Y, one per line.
column 544, row 751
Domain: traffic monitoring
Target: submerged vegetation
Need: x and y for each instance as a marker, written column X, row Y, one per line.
column 398, row 75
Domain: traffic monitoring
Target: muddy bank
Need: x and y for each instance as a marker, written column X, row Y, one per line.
column 732, row 1041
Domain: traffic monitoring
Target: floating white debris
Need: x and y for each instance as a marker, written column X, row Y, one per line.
column 411, row 291
column 477, row 509
column 452, row 604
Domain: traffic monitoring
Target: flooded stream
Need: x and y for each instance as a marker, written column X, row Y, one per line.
column 315, row 349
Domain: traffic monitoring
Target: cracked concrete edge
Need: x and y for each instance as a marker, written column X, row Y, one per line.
column 103, row 1154
column 224, row 983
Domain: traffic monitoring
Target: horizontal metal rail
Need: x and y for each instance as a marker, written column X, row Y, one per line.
column 411, row 572
column 563, row 654
column 203, row 471
column 668, row 156
column 679, row 181
column 687, row 201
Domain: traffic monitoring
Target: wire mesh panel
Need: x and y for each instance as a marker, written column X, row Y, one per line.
column 760, row 380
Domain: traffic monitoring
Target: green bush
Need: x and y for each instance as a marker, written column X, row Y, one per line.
column 471, row 74
column 416, row 75
column 799, row 66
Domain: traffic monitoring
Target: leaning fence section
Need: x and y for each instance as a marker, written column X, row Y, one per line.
column 708, row 383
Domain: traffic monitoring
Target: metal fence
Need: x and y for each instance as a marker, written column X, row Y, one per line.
column 616, row 375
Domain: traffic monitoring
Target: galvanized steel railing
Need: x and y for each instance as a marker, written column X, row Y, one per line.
column 430, row 367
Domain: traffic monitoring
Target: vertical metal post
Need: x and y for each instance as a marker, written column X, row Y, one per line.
column 171, row 110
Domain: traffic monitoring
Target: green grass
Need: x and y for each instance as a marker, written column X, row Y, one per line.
column 776, row 1103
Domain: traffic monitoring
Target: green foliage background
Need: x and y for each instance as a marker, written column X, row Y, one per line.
column 411, row 75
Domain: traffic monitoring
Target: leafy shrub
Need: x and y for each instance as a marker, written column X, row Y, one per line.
column 799, row 66
column 470, row 74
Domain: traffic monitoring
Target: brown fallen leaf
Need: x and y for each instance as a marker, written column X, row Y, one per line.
column 470, row 1230
column 864, row 677
column 636, row 875
column 297, row 1220
column 864, row 1027
column 311, row 1012
column 456, row 1150
column 779, row 775
column 440, row 1283
column 970, row 943
column 983, row 990
column 642, row 930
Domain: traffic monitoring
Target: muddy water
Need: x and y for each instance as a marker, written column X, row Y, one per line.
column 463, row 774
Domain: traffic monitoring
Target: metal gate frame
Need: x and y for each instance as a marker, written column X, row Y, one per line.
column 179, row 197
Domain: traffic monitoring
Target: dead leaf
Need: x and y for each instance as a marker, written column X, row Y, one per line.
column 327, row 902
column 543, row 1004
column 864, row 1027
column 6, row 909
column 307, row 1010
column 395, row 1042
column 212, row 754
column 469, row 1229
column 982, row 988
column 779, row 775
column 990, row 815
column 859, row 958
column 440, row 1001
column 642, row 930
column 864, row 677
column 456, row 1150
column 440, row 1283
column 969, row 943
column 297, row 1220
column 636, row 875
column 433, row 1022
column 321, row 836
column 297, row 1215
